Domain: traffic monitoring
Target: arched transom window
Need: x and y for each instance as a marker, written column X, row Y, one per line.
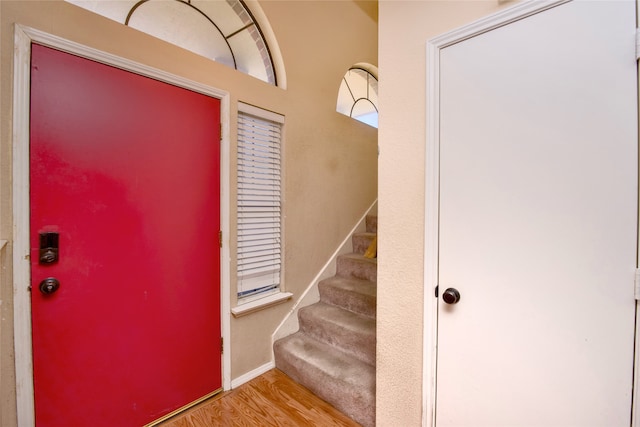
column 222, row 30
column 358, row 94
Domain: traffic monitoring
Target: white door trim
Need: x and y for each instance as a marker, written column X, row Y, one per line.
column 23, row 37
column 635, row 411
column 432, row 183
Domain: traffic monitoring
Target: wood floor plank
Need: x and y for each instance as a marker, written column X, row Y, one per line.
column 301, row 404
column 271, row 400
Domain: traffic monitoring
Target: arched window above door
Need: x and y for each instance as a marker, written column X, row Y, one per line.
column 358, row 94
column 224, row 31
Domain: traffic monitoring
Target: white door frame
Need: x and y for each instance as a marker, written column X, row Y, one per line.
column 635, row 411
column 23, row 38
column 432, row 192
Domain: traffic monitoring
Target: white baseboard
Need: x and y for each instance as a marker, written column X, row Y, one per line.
column 237, row 382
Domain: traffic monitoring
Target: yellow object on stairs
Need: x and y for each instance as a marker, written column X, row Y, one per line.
column 372, row 250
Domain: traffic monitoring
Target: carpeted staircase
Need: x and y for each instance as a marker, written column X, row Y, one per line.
column 333, row 354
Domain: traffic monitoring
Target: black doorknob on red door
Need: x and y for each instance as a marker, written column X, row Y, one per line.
column 49, row 285
column 451, row 296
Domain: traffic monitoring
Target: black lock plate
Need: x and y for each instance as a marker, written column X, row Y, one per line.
column 49, row 247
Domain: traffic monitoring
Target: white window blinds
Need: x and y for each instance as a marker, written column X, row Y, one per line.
column 259, row 201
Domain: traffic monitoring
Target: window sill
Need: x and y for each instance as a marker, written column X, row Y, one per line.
column 262, row 303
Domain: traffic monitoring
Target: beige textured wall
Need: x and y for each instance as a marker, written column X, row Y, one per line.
column 330, row 160
column 404, row 28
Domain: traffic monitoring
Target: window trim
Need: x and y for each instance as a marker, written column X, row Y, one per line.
column 262, row 303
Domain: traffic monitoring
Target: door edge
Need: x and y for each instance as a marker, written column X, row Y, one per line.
column 635, row 394
column 23, row 38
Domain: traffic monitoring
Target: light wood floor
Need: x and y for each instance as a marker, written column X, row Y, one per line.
column 272, row 399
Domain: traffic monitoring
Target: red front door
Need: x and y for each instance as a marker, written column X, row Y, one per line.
column 125, row 169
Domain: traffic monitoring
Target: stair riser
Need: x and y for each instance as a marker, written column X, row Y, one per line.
column 361, row 242
column 356, row 303
column 357, row 268
column 372, row 223
column 360, row 344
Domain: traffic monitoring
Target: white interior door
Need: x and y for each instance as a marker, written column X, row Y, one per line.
column 538, row 217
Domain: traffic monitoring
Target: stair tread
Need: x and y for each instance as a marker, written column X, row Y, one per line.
column 336, row 377
column 365, row 234
column 359, row 257
column 330, row 361
column 352, row 333
column 356, row 295
column 346, row 319
column 357, row 266
column 360, row 286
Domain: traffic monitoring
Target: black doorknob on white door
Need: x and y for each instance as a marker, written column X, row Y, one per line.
column 451, row 296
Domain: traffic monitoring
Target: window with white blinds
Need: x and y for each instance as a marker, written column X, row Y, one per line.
column 259, row 201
